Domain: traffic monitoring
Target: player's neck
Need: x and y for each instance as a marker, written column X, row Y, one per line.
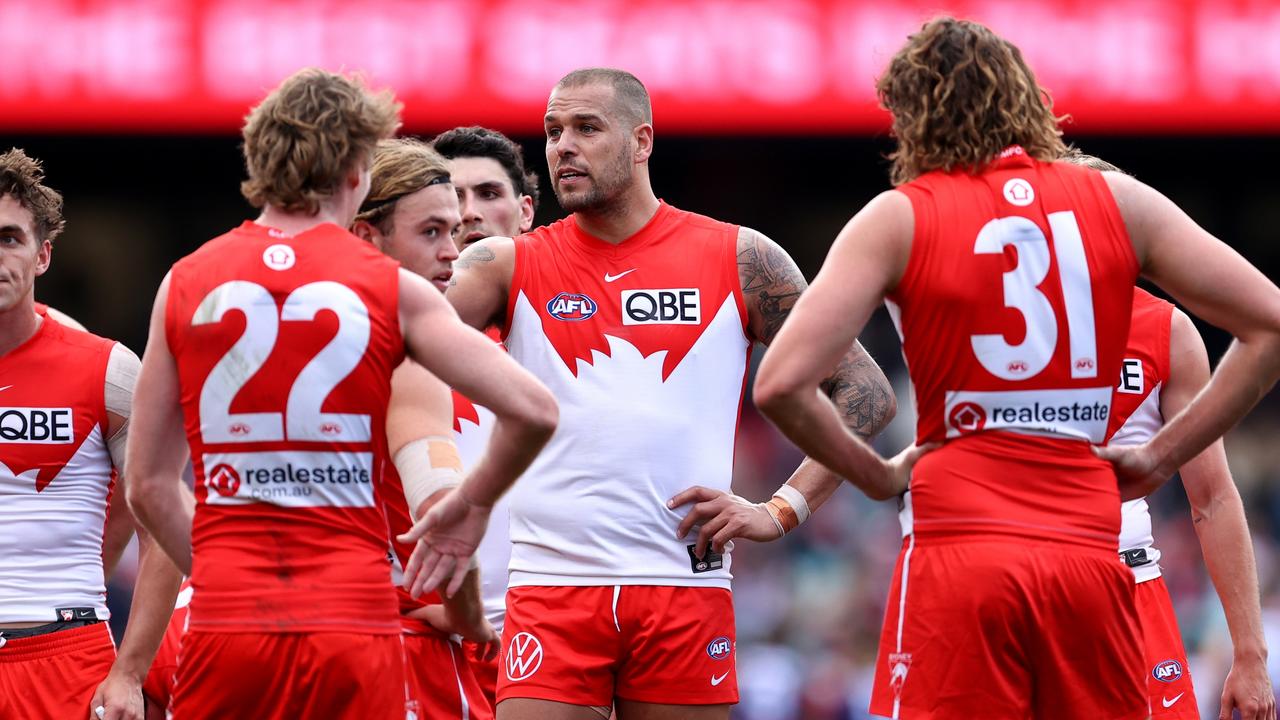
column 17, row 325
column 292, row 223
column 619, row 221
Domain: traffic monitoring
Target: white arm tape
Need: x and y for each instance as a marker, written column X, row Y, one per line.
column 796, row 500
column 122, row 375
column 427, row 466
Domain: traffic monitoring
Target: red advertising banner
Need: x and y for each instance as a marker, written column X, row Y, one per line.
column 713, row 66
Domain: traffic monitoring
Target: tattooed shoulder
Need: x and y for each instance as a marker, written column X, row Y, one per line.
column 771, row 282
column 473, row 255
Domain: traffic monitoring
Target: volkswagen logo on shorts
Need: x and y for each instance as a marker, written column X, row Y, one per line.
column 1167, row 671
column 720, row 648
column 524, row 657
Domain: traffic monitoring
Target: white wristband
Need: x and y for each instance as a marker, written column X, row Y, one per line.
column 796, row 500
column 427, row 466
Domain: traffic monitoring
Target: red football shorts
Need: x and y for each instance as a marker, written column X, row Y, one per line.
column 285, row 676
column 1168, row 678
column 158, row 685
column 588, row 645
column 1010, row 630
column 485, row 671
column 441, row 684
column 54, row 675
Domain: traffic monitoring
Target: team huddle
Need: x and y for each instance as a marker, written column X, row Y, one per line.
column 394, row 453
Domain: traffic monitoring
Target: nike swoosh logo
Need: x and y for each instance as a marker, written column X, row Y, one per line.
column 6, row 387
column 717, row 680
column 1169, row 703
column 610, row 278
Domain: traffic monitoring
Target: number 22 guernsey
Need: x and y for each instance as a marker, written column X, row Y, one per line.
column 285, row 347
column 1014, row 314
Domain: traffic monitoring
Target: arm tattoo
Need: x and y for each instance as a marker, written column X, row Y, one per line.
column 471, row 256
column 861, row 393
column 771, row 285
column 771, row 282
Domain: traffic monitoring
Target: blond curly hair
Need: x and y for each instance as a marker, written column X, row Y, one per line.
column 308, row 133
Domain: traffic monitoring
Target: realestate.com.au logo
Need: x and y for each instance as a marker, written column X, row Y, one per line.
column 290, row 478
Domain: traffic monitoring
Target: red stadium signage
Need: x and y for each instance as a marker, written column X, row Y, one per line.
column 719, row 66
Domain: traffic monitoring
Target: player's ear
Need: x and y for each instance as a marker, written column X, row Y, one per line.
column 643, row 135
column 366, row 231
column 43, row 257
column 526, row 213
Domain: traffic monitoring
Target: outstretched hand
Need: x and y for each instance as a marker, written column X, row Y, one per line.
column 722, row 516
column 447, row 536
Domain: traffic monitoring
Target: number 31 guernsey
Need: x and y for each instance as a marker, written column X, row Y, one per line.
column 1014, row 315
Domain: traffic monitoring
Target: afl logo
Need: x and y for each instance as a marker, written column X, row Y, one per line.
column 571, row 307
column 967, row 417
column 1167, row 671
column 524, row 657
column 224, row 480
column 279, row 257
column 1019, row 192
column 720, row 648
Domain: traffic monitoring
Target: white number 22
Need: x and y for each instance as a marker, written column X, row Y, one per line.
column 1022, row 293
column 302, row 419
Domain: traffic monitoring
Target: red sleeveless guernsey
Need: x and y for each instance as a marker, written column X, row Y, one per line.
column 285, row 347
column 1014, row 315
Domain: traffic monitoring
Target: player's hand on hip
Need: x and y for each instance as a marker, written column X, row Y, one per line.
column 118, row 697
column 897, row 469
column 720, row 517
column 1136, row 468
column 447, row 537
column 1248, row 689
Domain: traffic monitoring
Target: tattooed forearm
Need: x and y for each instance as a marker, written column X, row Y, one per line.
column 861, row 393
column 771, row 283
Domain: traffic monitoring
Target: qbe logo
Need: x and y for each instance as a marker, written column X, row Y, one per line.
column 524, row 657
column 571, row 307
column 720, row 648
column 1167, row 671
column 36, row 426
column 674, row 306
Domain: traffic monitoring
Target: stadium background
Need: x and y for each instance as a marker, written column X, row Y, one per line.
column 764, row 115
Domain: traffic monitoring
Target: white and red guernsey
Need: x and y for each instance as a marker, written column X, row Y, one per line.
column 285, row 347
column 56, row 476
column 645, row 346
column 1135, row 417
